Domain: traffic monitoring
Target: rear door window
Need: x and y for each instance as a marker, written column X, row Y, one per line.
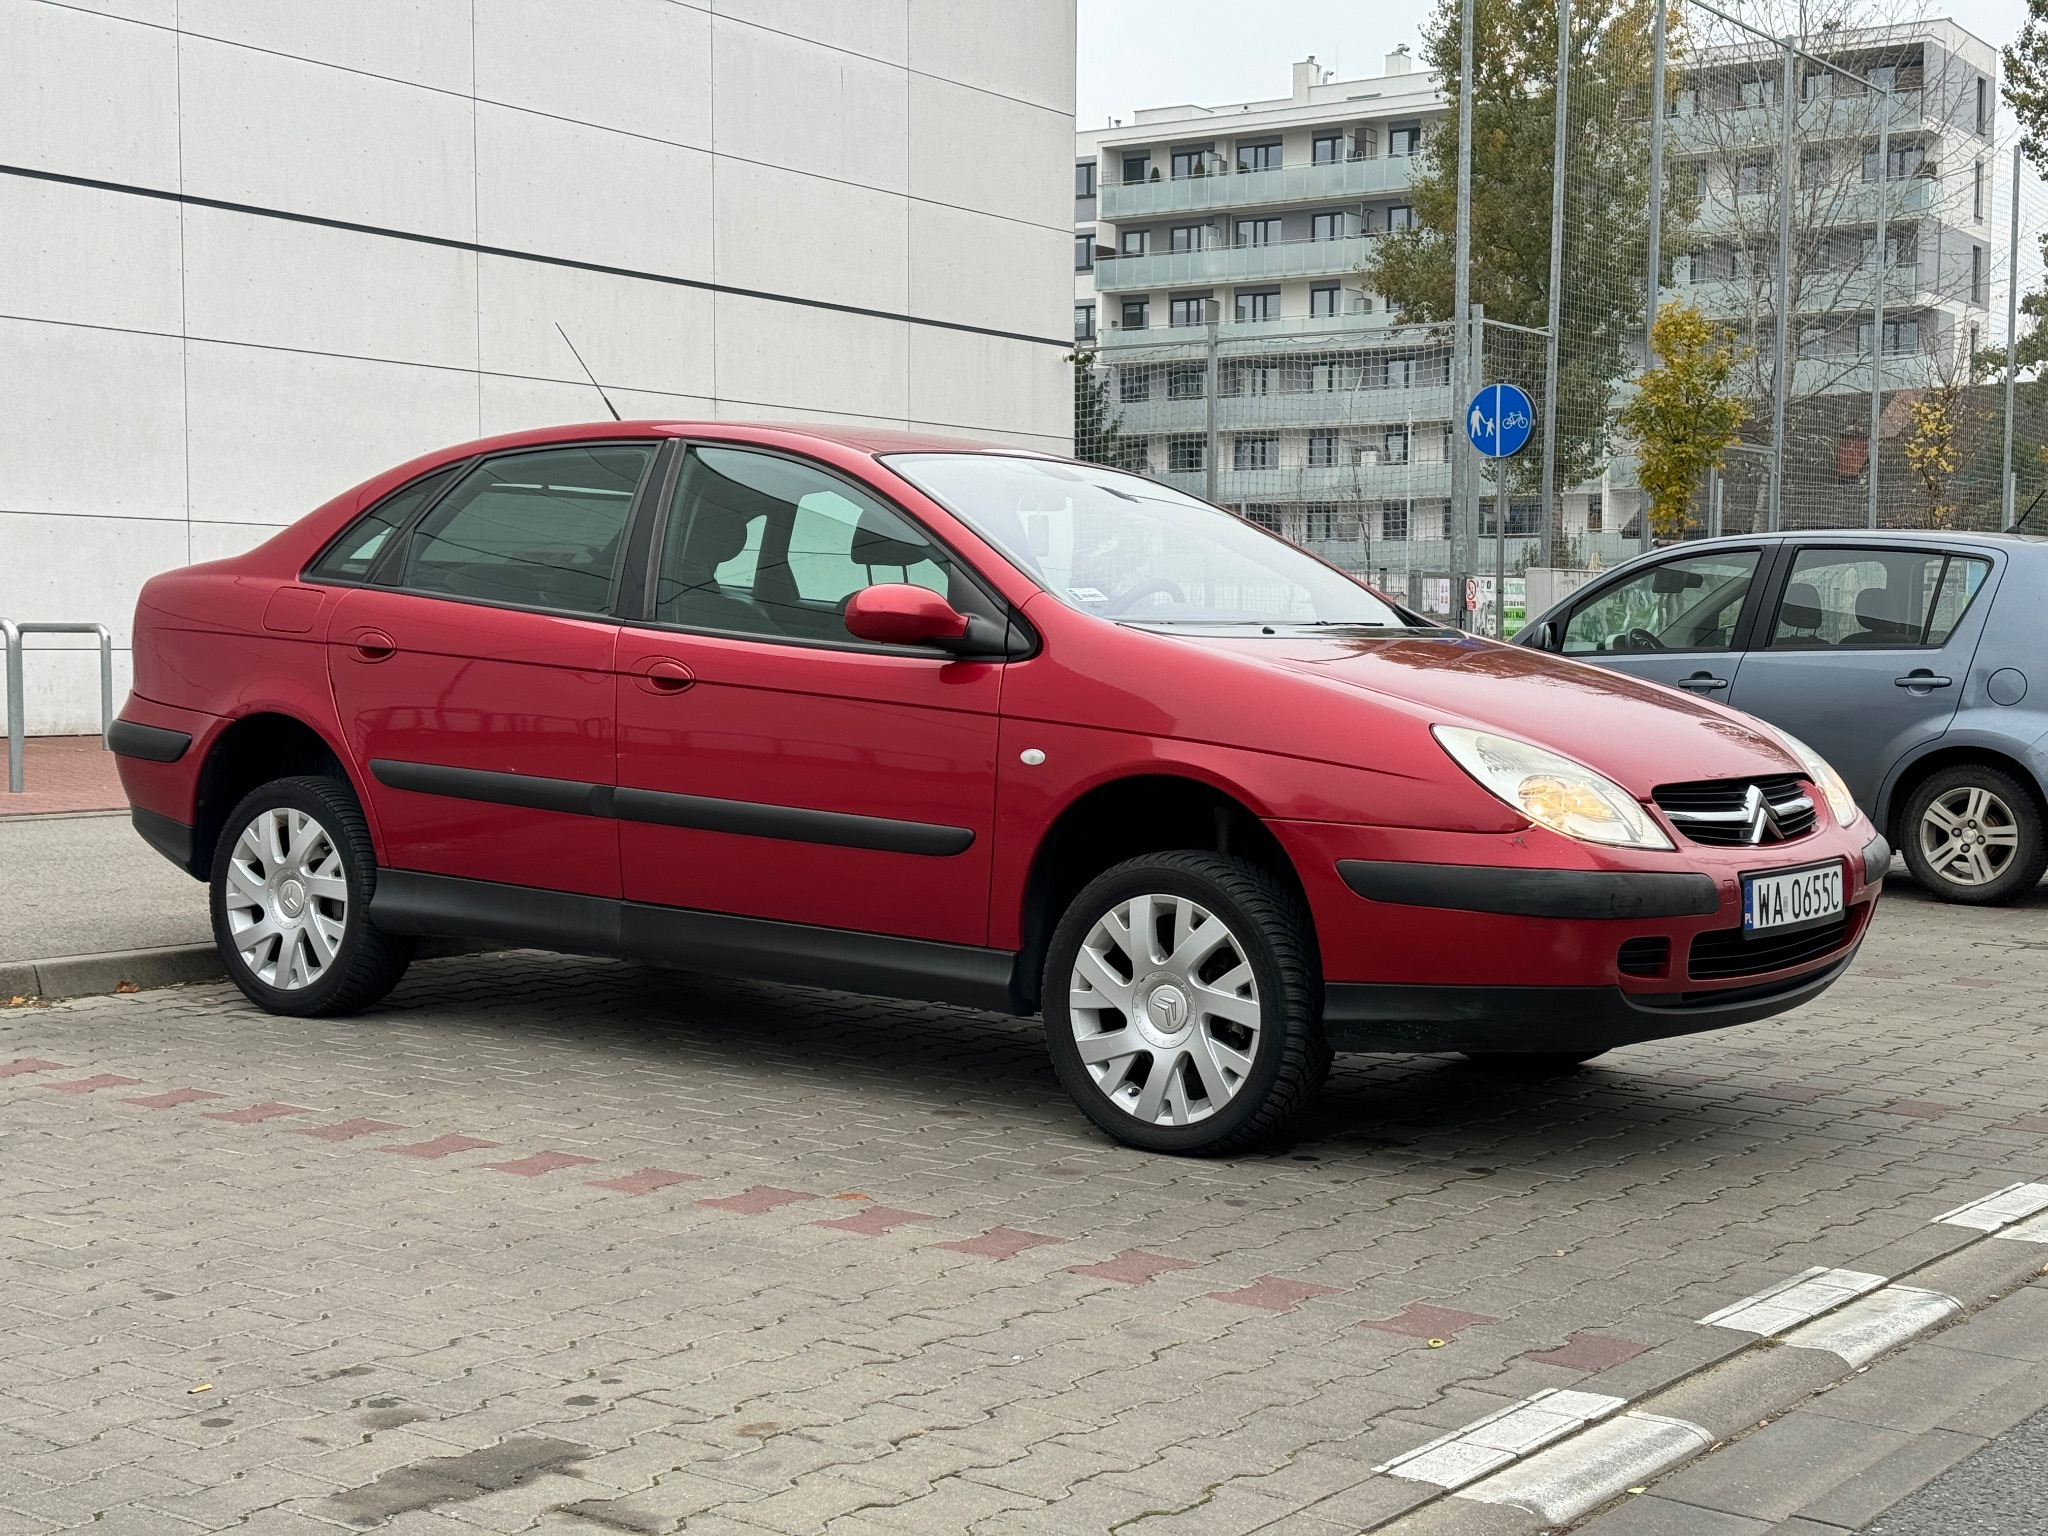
column 1691, row 604
column 1876, row 598
column 541, row 529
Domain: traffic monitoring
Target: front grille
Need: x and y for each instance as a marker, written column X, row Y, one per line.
column 1725, row 812
column 1643, row 957
column 1725, row 952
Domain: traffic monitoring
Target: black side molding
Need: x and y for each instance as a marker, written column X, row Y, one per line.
column 407, row 901
column 151, row 743
column 749, row 818
column 1568, row 893
column 172, row 839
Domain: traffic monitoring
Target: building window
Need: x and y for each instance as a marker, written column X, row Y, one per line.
column 1264, row 305
column 1326, row 226
column 1258, row 231
column 1255, row 453
column 1135, row 168
column 1594, row 510
column 1323, row 302
column 1259, row 157
column 1261, row 515
column 1189, row 309
column 1813, row 168
column 1084, row 178
column 1186, row 381
column 1983, row 105
column 1084, row 322
column 1755, row 93
column 1404, row 138
column 1905, row 160
column 1900, row 337
column 1753, row 174
column 1395, row 373
column 1977, row 295
column 1137, row 242
column 1394, row 520
column 1322, row 450
column 1137, row 314
column 1977, row 193
column 1328, row 149
column 1184, row 454
column 1134, row 384
column 1084, row 251
column 1192, row 237
column 1399, row 217
column 1395, row 449
column 1196, row 160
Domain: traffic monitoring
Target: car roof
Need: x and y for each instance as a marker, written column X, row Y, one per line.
column 1846, row 536
column 868, row 440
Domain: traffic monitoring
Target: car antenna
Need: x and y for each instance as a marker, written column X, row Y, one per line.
column 2020, row 521
column 607, row 399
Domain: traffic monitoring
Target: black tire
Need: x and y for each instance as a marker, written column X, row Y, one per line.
column 1530, row 1064
column 1269, row 931
column 364, row 965
column 2008, row 808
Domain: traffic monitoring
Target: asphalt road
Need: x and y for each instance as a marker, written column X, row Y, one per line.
column 84, row 885
column 2000, row 1491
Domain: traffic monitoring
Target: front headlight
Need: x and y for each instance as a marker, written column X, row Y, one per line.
column 1550, row 790
column 1822, row 772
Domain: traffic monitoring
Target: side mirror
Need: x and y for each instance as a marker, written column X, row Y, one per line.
column 897, row 613
column 1542, row 637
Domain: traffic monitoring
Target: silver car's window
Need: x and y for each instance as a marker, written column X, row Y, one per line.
column 1883, row 599
column 1680, row 605
column 1125, row 548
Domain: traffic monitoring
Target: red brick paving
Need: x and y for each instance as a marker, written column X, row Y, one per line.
column 345, row 1129
column 173, row 1099
column 1272, row 1294
column 875, row 1220
column 1589, row 1352
column 440, row 1146
column 1422, row 1322
column 92, row 1084
column 1133, row 1266
column 645, row 1182
column 64, row 773
column 762, row 1197
column 541, row 1162
column 266, row 1111
column 2034, row 1123
column 1001, row 1243
column 30, row 1064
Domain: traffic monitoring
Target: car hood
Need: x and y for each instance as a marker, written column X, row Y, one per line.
column 1640, row 734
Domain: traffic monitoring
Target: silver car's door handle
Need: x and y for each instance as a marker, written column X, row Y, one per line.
column 1922, row 679
column 1703, row 682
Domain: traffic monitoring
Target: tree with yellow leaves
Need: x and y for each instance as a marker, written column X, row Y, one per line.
column 1932, row 447
column 1682, row 416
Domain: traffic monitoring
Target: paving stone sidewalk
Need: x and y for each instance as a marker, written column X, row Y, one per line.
column 566, row 1245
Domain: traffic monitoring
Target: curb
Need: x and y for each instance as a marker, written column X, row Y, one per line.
column 1667, row 1423
column 137, row 970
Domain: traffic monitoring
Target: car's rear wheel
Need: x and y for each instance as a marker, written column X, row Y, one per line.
column 1973, row 834
column 291, row 886
column 1183, row 1004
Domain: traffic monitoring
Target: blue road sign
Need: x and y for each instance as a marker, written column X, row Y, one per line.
column 1499, row 420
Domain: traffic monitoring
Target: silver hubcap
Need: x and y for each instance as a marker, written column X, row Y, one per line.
column 287, row 898
column 1969, row 836
column 1164, row 1009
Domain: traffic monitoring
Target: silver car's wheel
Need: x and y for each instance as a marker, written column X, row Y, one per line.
column 1968, row 835
column 1164, row 1009
column 286, row 898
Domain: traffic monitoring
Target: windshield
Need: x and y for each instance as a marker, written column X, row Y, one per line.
column 1126, row 548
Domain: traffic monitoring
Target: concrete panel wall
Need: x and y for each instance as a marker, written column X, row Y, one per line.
column 422, row 189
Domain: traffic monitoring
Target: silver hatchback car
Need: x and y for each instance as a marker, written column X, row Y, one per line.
column 1916, row 663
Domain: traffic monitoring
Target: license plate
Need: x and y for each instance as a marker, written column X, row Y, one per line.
column 1792, row 898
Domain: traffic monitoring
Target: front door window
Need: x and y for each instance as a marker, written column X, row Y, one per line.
column 1681, row 605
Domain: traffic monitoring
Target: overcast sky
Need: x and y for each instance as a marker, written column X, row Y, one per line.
column 1152, row 53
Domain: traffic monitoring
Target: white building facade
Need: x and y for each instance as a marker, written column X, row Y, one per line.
column 252, row 253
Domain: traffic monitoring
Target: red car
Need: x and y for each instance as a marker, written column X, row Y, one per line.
column 907, row 716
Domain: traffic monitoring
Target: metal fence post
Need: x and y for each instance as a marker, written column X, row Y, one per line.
column 1213, row 309
column 15, row 714
column 1463, row 374
column 1654, row 278
column 1781, row 287
column 2007, row 489
column 1882, row 278
column 1557, row 145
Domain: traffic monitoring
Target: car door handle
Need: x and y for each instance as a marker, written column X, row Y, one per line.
column 1703, row 682
column 1922, row 679
column 372, row 645
column 663, row 675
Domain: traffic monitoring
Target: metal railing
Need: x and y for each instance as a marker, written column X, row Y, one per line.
column 17, row 712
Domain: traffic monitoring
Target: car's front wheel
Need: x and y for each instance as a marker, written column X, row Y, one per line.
column 1973, row 834
column 292, row 878
column 1183, row 1004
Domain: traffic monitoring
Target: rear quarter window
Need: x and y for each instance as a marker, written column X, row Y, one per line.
column 350, row 557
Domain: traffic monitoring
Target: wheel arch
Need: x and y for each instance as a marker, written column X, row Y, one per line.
column 1942, row 754
column 249, row 751
column 1120, row 819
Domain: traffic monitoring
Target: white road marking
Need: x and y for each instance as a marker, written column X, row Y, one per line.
column 1865, row 1329
column 1792, row 1302
column 2013, row 1203
column 2034, row 1231
column 1485, row 1445
column 1563, row 1483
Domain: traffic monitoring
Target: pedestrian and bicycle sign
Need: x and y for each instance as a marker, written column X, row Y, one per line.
column 1499, row 420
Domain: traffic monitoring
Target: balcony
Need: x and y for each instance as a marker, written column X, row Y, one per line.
column 1332, row 331
column 1820, row 119
column 1823, row 292
column 1351, row 482
column 1427, row 406
column 1121, row 202
column 1723, row 212
column 1233, row 264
